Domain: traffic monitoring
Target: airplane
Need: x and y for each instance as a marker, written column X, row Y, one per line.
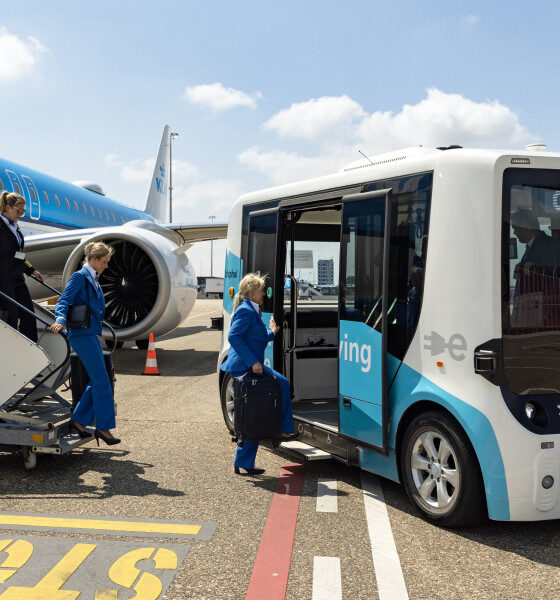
column 150, row 285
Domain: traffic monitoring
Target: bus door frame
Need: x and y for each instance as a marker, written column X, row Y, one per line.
column 350, row 198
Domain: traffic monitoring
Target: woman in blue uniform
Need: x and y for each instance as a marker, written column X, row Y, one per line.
column 248, row 338
column 13, row 265
column 97, row 400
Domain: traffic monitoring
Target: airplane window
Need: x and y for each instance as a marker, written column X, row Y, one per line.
column 1, row 185
column 122, row 219
column 92, row 211
column 67, row 203
column 76, row 206
column 84, row 207
column 17, row 189
column 46, row 197
column 107, row 215
column 100, row 214
column 113, row 215
column 57, row 200
column 32, row 192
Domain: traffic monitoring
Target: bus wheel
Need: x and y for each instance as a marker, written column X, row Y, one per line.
column 226, row 397
column 440, row 471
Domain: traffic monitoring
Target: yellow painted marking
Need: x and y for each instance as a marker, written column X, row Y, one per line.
column 166, row 559
column 37, row 437
column 99, row 524
column 18, row 554
column 124, row 572
column 49, row 587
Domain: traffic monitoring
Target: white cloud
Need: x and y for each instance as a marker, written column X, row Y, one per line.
column 219, row 98
column 196, row 202
column 470, row 20
column 17, row 56
column 142, row 170
column 437, row 120
column 317, row 118
column 283, row 167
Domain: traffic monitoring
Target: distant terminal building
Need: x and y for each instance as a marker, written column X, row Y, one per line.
column 325, row 272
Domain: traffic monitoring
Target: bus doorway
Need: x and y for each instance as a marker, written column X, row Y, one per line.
column 334, row 348
column 310, row 257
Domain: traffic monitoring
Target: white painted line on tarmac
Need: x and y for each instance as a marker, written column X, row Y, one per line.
column 327, row 495
column 327, row 583
column 388, row 571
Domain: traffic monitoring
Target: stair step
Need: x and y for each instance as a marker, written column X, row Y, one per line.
column 309, row 452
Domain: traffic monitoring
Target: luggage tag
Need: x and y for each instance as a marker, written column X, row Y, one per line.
column 20, row 255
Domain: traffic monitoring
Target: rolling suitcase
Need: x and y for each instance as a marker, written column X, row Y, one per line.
column 79, row 377
column 257, row 407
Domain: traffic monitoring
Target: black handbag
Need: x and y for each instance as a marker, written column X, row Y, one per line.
column 79, row 315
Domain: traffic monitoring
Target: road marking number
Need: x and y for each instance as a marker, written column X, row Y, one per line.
column 124, row 570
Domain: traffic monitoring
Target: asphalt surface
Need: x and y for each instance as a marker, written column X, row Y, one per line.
column 175, row 463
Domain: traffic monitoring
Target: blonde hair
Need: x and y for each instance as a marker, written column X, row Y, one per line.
column 251, row 281
column 10, row 199
column 97, row 250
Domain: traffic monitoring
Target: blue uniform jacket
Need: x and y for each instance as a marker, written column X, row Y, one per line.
column 75, row 293
column 248, row 338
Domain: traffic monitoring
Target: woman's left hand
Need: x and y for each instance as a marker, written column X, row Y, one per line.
column 272, row 325
column 37, row 275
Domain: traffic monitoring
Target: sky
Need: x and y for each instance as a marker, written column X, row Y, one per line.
column 264, row 93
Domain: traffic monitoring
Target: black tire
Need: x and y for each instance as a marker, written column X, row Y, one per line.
column 224, row 398
column 466, row 505
column 142, row 344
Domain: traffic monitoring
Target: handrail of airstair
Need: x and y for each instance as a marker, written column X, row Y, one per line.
column 105, row 324
column 45, row 322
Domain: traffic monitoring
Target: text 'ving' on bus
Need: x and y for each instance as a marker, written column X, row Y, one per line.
column 426, row 347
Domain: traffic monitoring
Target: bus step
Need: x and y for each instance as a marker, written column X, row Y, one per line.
column 303, row 449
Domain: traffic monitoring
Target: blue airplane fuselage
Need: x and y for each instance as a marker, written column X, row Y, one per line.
column 54, row 204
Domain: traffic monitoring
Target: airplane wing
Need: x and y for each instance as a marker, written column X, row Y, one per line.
column 189, row 232
column 200, row 232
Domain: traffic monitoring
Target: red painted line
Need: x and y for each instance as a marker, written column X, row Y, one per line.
column 269, row 579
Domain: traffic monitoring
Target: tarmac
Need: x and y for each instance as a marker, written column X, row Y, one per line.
column 174, row 469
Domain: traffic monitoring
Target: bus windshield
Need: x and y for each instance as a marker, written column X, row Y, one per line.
column 531, row 282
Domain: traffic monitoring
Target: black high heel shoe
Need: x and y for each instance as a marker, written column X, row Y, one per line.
column 248, row 471
column 81, row 432
column 109, row 441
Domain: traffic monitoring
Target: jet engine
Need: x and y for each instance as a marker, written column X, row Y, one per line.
column 149, row 286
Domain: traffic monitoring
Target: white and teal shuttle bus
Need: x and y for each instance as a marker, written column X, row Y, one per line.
column 438, row 363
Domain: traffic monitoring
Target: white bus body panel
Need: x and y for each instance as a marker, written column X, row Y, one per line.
column 462, row 295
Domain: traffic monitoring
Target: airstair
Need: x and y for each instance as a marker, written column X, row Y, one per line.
column 33, row 415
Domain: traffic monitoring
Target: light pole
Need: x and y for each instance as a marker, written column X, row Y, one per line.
column 211, row 217
column 171, row 138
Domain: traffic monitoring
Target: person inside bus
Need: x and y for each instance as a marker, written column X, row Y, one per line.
column 541, row 250
column 13, row 266
column 248, row 338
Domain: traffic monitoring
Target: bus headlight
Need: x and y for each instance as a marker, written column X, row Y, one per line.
column 547, row 482
column 530, row 411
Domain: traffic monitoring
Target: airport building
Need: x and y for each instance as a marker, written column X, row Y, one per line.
column 325, row 272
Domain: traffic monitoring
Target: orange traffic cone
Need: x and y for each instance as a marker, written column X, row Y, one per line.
column 151, row 362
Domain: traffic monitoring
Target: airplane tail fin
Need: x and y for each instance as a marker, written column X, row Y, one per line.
column 156, row 204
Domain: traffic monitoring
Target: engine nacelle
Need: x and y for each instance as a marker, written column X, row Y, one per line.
column 149, row 286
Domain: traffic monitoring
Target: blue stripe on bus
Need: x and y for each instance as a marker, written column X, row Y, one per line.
column 410, row 387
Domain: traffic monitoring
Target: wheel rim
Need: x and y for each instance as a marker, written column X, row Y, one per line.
column 435, row 471
column 229, row 401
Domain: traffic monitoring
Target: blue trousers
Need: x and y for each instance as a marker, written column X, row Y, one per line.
column 245, row 455
column 97, row 399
